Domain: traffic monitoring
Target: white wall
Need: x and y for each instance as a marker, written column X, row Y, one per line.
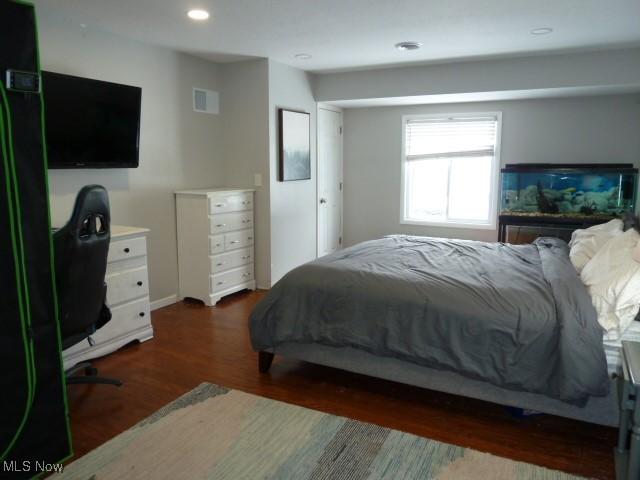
column 179, row 148
column 611, row 69
column 573, row 130
column 245, row 108
column 293, row 204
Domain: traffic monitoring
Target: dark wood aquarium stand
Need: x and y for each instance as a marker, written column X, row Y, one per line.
column 563, row 225
column 627, row 452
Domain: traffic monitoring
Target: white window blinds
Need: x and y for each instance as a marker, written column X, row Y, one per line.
column 451, row 137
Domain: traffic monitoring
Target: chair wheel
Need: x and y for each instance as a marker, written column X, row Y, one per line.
column 91, row 371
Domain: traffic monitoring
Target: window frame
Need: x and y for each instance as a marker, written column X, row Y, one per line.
column 495, row 174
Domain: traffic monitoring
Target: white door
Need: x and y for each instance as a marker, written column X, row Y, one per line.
column 329, row 181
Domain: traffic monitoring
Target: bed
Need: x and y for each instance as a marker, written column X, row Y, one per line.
column 510, row 324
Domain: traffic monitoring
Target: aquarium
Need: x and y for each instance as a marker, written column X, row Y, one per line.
column 575, row 191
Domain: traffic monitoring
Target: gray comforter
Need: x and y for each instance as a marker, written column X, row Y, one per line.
column 516, row 316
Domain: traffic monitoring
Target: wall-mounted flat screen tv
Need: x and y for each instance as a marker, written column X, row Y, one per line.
column 91, row 123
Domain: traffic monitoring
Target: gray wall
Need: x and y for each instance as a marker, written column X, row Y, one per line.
column 245, row 106
column 179, row 148
column 585, row 129
column 252, row 93
column 293, row 204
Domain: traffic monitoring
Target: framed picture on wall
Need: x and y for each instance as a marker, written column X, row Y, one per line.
column 295, row 145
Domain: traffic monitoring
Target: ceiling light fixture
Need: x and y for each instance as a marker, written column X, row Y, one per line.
column 197, row 14
column 406, row 46
column 303, row 56
column 541, row 31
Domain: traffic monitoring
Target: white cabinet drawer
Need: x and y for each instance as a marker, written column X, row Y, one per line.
column 128, row 285
column 235, row 240
column 127, row 248
column 216, row 244
column 215, row 239
column 125, row 319
column 227, row 261
column 227, row 222
column 230, row 203
column 124, row 265
column 226, row 280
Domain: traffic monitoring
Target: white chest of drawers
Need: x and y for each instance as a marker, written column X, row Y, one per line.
column 215, row 243
column 127, row 296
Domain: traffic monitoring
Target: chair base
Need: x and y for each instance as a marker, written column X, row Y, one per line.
column 90, row 376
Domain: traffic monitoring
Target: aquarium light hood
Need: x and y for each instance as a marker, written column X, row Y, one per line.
column 572, row 167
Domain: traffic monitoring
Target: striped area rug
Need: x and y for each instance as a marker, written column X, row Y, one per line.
column 216, row 433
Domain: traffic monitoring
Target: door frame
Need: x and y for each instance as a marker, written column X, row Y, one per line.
column 331, row 108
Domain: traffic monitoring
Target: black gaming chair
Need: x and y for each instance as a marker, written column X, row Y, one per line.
column 81, row 249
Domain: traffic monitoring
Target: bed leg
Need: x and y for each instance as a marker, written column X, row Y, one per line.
column 264, row 361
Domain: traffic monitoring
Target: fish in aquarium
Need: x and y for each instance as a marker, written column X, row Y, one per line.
column 568, row 194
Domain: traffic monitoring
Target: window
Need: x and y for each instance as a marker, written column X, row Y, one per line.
column 450, row 170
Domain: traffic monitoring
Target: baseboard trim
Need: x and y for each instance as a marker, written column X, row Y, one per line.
column 164, row 302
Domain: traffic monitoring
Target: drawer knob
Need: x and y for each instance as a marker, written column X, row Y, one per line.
column 127, row 250
column 217, row 244
column 141, row 314
column 219, row 264
column 249, row 238
column 220, row 283
column 219, row 204
column 221, row 225
column 235, row 241
column 139, row 283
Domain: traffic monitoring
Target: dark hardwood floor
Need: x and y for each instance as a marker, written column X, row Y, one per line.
column 195, row 344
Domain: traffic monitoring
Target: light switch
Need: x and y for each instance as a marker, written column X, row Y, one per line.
column 257, row 179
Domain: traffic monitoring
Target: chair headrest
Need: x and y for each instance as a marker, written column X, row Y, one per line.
column 90, row 214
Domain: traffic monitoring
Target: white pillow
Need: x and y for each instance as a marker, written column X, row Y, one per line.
column 586, row 243
column 613, row 279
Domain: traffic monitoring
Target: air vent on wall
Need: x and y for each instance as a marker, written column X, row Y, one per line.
column 206, row 101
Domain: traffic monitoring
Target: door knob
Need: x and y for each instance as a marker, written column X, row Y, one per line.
column 323, row 200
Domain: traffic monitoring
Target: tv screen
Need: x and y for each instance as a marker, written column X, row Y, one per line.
column 90, row 123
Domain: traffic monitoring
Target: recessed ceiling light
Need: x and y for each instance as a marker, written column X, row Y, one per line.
column 541, row 31
column 404, row 46
column 303, row 56
column 197, row 14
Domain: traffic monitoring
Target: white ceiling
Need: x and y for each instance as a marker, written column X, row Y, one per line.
column 353, row 34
